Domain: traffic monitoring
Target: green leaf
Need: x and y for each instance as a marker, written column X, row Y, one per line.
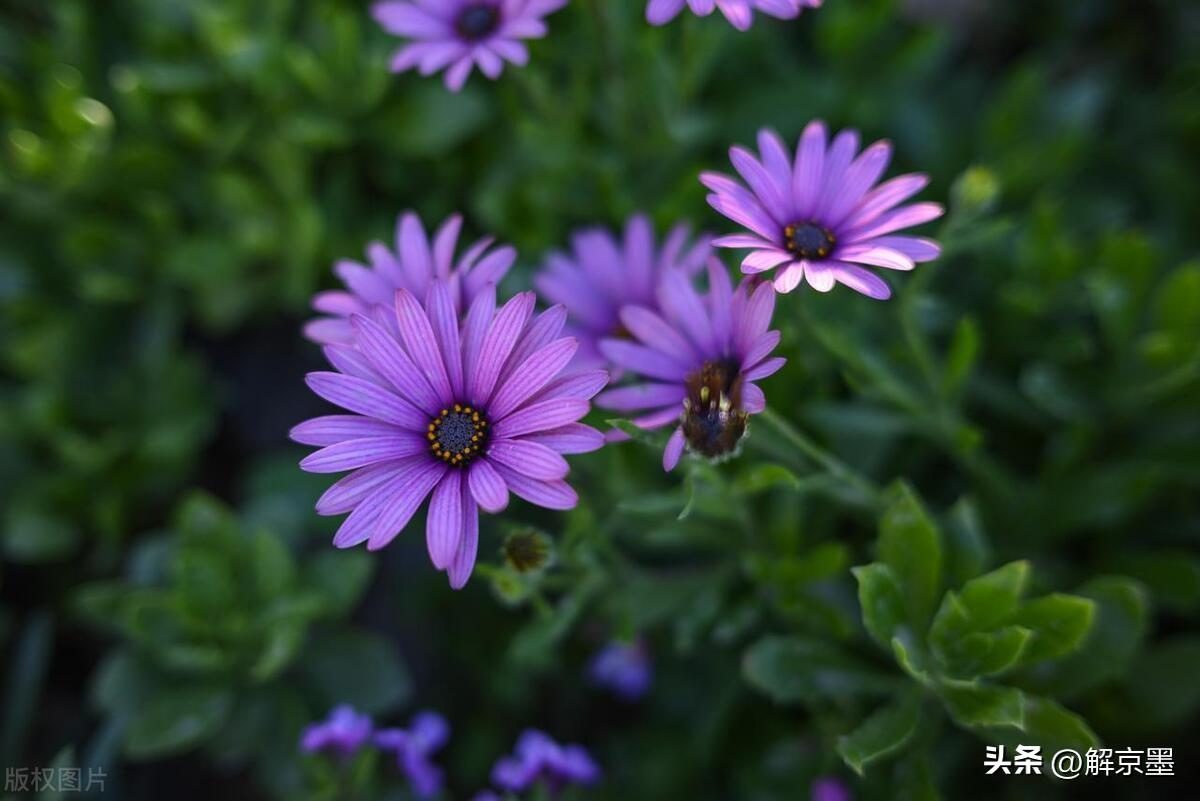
column 975, row 705
column 966, row 544
column 763, row 477
column 795, row 669
column 909, row 545
column 961, row 356
column 340, row 578
column 1053, row 727
column 881, row 735
column 992, row 599
column 1111, row 644
column 985, row 653
column 881, row 601
column 1059, row 624
column 271, row 565
column 31, row 537
column 1162, row 683
column 355, row 667
column 177, row 719
column 912, row 657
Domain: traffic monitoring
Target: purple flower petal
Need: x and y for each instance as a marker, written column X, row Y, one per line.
column 400, row 509
column 547, row 494
column 334, row 428
column 571, row 438
column 366, row 398
column 355, row 453
column 541, row 416
column 497, row 345
column 529, row 458
column 444, row 523
column 487, row 487
column 674, row 450
column 532, row 375
column 417, row 333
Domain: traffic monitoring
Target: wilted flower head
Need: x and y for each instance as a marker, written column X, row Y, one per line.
column 464, row 415
column 456, row 35
column 624, row 668
column 414, row 748
column 343, row 733
column 700, row 359
column 739, row 12
column 602, row 274
column 821, row 217
column 829, row 788
column 415, row 265
column 537, row 758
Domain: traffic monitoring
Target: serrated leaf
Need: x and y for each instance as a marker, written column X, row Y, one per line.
column 881, row 602
column 1059, row 624
column 978, row 705
column 986, row 653
column 909, row 545
column 881, row 735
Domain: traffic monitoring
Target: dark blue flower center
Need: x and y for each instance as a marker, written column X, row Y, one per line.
column 808, row 240
column 713, row 420
column 458, row 435
column 476, row 21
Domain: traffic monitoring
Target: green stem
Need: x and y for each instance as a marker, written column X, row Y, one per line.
column 826, row 460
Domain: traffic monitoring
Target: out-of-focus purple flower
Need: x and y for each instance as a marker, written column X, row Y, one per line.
column 414, row 748
column 829, row 788
column 343, row 733
column 457, row 35
column 740, row 13
column 537, row 758
column 485, row 795
column 821, row 218
column 416, row 263
column 604, row 273
column 462, row 414
column 624, row 668
column 699, row 360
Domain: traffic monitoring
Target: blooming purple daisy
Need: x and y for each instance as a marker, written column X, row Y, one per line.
column 624, row 668
column 821, row 218
column 740, row 13
column 829, row 788
column 464, row 415
column 343, row 733
column 414, row 747
column 457, row 35
column 538, row 758
column 602, row 274
column 415, row 265
column 700, row 359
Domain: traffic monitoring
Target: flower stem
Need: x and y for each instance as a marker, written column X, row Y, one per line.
column 826, row 460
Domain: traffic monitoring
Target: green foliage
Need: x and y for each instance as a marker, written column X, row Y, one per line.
column 213, row 617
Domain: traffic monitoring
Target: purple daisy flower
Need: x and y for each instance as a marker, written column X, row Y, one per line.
column 414, row 747
column 343, row 733
column 624, row 668
column 740, row 13
column 602, row 274
column 821, row 218
column 465, row 415
column 457, row 35
column 538, row 758
column 829, row 788
column 700, row 359
column 415, row 265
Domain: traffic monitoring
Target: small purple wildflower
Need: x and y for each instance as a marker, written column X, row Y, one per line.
column 343, row 733
column 740, row 13
column 829, row 788
column 821, row 217
column 624, row 668
column 700, row 359
column 414, row 747
column 457, row 35
column 415, row 265
column 538, row 758
column 465, row 415
column 602, row 274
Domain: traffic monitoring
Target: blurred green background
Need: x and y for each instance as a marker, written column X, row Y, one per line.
column 177, row 177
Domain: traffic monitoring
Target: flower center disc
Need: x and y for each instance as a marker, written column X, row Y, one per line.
column 809, row 240
column 457, row 435
column 713, row 420
column 477, row 21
